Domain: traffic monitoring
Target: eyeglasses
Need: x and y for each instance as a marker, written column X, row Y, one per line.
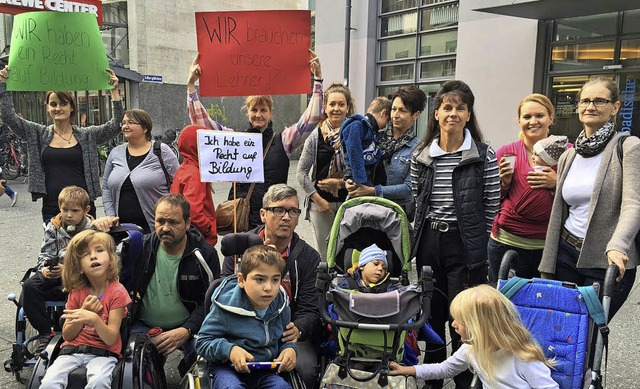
column 128, row 123
column 280, row 211
column 596, row 102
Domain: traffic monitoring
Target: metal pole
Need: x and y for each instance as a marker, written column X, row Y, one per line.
column 347, row 42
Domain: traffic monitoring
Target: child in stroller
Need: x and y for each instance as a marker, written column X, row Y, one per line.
column 370, row 315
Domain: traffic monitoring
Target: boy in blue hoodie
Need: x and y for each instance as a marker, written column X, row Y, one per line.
column 359, row 136
column 248, row 315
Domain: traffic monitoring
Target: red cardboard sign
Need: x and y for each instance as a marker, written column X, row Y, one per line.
column 254, row 52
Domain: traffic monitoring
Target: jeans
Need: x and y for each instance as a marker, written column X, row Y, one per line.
column 35, row 291
column 445, row 253
column 566, row 270
column 322, row 223
column 99, row 371
column 526, row 266
column 225, row 377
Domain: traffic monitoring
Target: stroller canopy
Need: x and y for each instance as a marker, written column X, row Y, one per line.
column 373, row 213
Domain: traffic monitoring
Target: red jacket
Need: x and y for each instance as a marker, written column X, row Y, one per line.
column 187, row 182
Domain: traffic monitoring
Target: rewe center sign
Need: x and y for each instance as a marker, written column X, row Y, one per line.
column 15, row 7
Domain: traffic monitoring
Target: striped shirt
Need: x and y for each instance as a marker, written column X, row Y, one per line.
column 441, row 201
column 292, row 136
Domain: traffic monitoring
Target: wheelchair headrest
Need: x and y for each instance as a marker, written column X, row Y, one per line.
column 237, row 244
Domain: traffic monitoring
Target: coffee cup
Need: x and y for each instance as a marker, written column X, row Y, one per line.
column 153, row 333
column 538, row 168
column 511, row 158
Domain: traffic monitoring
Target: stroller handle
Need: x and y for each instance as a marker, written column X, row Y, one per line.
column 323, row 281
column 505, row 265
column 610, row 280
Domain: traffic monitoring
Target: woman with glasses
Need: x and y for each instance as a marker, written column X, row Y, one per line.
column 594, row 219
column 134, row 178
column 61, row 154
column 527, row 194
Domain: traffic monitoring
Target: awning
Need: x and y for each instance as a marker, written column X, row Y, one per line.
column 558, row 9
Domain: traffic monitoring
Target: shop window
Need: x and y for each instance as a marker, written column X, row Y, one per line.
column 438, row 43
column 630, row 52
column 399, row 24
column 439, row 17
column 403, row 72
column 398, row 48
column 586, row 26
column 631, row 21
column 397, row 5
column 582, row 55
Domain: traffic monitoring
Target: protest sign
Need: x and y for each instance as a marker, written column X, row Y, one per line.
column 230, row 156
column 57, row 51
column 253, row 52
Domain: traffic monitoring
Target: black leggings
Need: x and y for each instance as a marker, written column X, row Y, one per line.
column 35, row 291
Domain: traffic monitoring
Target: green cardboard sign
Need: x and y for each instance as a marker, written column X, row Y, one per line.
column 57, row 51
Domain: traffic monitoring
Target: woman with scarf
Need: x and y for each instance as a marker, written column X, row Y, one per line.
column 594, row 219
column 527, row 195
column 321, row 165
column 397, row 144
column 281, row 144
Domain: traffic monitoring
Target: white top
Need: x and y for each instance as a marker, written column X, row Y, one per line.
column 511, row 372
column 577, row 191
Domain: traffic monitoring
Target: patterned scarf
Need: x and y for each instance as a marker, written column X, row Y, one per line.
column 332, row 137
column 593, row 145
column 390, row 145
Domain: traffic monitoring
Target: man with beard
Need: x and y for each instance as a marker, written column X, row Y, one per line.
column 280, row 214
column 172, row 275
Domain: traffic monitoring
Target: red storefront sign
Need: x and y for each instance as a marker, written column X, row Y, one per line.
column 15, row 7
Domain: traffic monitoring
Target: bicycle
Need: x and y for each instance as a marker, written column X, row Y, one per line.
column 14, row 154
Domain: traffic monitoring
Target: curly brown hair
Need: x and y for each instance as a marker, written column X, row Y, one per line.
column 72, row 275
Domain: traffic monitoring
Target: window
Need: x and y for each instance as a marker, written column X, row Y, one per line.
column 439, row 17
column 437, row 69
column 399, row 24
column 398, row 48
column 403, row 72
column 580, row 56
column 397, row 5
column 630, row 52
column 631, row 21
column 439, row 43
column 586, row 27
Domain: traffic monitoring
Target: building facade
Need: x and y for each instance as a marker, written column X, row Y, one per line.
column 504, row 49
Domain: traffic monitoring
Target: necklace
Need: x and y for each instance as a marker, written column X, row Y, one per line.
column 529, row 153
column 63, row 138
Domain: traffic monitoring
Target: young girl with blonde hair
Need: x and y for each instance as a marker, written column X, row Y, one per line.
column 496, row 345
column 95, row 308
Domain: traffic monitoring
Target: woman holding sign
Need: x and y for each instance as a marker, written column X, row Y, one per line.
column 61, row 154
column 259, row 112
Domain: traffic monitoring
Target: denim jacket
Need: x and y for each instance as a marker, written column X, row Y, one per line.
column 398, row 170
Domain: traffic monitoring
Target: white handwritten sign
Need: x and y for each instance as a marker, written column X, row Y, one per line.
column 230, row 156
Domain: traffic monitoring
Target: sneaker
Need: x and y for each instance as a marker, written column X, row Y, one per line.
column 43, row 341
column 14, row 199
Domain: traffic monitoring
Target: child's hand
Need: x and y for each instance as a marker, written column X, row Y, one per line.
column 239, row 357
column 396, row 369
column 80, row 316
column 92, row 303
column 287, row 359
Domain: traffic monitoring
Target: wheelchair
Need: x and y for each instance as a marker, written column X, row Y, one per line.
column 198, row 375
column 141, row 366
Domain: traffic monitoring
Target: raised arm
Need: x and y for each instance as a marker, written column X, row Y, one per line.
column 112, row 128
column 19, row 126
column 294, row 136
column 197, row 113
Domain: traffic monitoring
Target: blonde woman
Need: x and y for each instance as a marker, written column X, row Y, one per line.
column 496, row 345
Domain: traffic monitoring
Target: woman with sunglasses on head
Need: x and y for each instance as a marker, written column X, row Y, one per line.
column 61, row 154
column 134, row 178
column 594, row 219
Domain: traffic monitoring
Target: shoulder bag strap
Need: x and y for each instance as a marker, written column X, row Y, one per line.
column 266, row 151
column 158, row 151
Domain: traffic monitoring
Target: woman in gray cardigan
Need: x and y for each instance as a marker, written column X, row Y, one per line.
column 134, row 179
column 594, row 218
column 61, row 154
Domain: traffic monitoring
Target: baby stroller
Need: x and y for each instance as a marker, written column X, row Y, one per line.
column 568, row 321
column 370, row 329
